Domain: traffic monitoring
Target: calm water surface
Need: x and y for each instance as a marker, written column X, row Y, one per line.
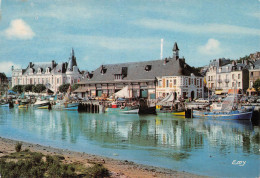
column 191, row 145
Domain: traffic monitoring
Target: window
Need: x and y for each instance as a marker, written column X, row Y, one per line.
column 160, row 83
column 167, row 83
column 238, row 76
column 251, row 74
column 238, row 84
column 57, row 81
column 209, row 78
column 233, row 76
column 174, row 81
column 189, row 81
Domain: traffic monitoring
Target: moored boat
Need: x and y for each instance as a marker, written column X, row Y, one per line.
column 4, row 105
column 64, row 105
column 119, row 108
column 228, row 109
column 41, row 104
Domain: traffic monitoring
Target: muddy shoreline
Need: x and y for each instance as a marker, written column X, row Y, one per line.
column 118, row 168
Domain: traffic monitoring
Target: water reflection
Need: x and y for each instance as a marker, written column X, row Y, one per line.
column 173, row 141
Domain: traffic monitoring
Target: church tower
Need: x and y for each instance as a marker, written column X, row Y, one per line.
column 175, row 51
column 72, row 61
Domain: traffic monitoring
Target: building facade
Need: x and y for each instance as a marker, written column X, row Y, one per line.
column 254, row 74
column 50, row 74
column 3, row 83
column 223, row 78
column 147, row 79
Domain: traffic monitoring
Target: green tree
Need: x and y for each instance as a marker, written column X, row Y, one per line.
column 74, row 86
column 39, row 88
column 256, row 85
column 64, row 88
column 18, row 88
column 28, row 88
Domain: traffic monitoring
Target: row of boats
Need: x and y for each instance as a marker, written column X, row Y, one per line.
column 228, row 109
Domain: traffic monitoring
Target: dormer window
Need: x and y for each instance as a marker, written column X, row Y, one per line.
column 118, row 76
column 103, row 70
column 39, row 70
column 89, row 75
column 148, row 68
column 31, row 71
column 48, row 70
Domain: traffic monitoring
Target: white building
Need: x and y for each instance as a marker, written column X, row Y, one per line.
column 51, row 74
column 223, row 78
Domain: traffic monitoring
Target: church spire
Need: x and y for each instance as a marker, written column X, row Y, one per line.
column 72, row 52
column 175, row 51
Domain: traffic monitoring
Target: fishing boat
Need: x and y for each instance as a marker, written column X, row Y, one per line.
column 119, row 107
column 123, row 104
column 4, row 104
column 65, row 105
column 168, row 106
column 227, row 110
column 41, row 104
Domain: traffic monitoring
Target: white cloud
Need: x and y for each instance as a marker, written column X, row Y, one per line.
column 212, row 47
column 212, row 28
column 18, row 29
column 255, row 14
column 6, row 67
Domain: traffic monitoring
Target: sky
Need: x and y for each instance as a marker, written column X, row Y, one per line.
column 117, row 31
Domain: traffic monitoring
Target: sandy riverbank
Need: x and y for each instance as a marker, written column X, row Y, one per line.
column 118, row 168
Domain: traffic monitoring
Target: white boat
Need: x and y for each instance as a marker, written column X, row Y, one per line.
column 133, row 111
column 4, row 105
column 41, row 104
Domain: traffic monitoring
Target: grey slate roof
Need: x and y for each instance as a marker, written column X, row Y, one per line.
column 136, row 71
column 58, row 68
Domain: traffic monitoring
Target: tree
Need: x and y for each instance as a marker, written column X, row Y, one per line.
column 18, row 88
column 64, row 88
column 28, row 88
column 74, row 86
column 39, row 88
column 256, row 85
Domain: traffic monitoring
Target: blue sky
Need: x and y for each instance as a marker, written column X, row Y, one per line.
column 113, row 31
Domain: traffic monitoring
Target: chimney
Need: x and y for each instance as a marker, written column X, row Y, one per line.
column 219, row 62
column 52, row 64
column 165, row 61
column 30, row 65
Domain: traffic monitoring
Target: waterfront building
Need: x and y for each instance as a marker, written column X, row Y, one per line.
column 147, row 79
column 254, row 74
column 51, row 74
column 3, row 83
column 223, row 78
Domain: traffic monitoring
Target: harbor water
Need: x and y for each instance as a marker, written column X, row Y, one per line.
column 214, row 148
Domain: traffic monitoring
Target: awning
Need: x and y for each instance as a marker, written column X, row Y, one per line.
column 232, row 91
column 81, row 90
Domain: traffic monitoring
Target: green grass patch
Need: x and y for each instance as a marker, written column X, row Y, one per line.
column 36, row 165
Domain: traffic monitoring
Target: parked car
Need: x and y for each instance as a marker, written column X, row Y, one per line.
column 252, row 99
column 201, row 100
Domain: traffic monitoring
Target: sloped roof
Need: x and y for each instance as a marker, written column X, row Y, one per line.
column 44, row 65
column 136, row 71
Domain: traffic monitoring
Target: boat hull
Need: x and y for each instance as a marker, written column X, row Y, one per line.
column 125, row 110
column 4, row 105
column 233, row 115
column 66, row 106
